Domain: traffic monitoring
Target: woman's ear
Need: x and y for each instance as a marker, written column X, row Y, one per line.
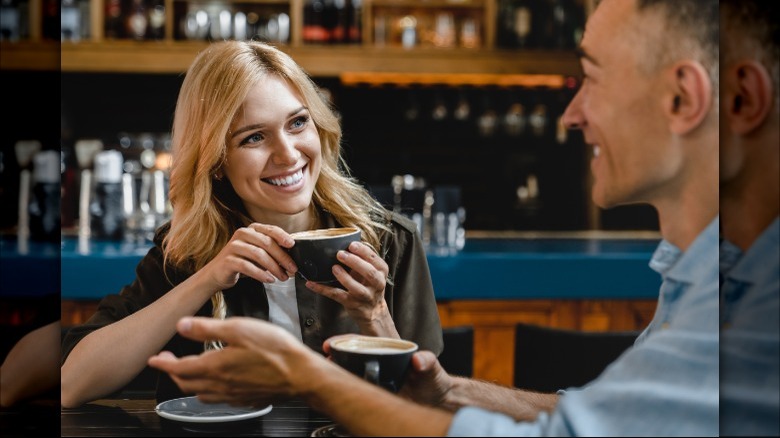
column 749, row 93
column 690, row 100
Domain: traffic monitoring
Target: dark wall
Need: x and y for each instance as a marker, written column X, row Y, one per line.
column 381, row 139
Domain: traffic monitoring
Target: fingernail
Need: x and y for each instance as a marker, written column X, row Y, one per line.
column 423, row 361
column 342, row 255
column 185, row 325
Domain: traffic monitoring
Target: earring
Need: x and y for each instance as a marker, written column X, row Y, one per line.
column 217, row 176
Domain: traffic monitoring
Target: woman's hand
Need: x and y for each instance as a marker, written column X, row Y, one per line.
column 255, row 251
column 363, row 295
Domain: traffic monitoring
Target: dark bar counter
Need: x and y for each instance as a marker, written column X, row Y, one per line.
column 137, row 417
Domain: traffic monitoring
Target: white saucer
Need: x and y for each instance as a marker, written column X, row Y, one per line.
column 192, row 410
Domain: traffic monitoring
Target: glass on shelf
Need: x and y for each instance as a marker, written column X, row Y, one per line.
column 418, row 26
column 236, row 20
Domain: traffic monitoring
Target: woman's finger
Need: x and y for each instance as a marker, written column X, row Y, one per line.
column 368, row 271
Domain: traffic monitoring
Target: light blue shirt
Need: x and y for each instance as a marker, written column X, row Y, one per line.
column 666, row 384
column 750, row 336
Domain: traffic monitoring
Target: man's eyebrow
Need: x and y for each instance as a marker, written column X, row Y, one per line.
column 581, row 53
column 261, row 125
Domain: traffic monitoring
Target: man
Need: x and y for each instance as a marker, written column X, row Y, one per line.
column 750, row 212
column 648, row 107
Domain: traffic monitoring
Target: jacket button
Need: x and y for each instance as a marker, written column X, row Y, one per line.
column 309, row 322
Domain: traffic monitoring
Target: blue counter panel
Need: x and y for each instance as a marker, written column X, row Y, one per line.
column 99, row 269
column 547, row 268
column 484, row 269
column 33, row 271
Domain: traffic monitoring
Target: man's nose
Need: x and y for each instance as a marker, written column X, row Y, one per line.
column 573, row 117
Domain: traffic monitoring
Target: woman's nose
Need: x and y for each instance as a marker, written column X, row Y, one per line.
column 285, row 152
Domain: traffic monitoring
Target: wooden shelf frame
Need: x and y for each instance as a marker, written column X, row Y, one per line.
column 170, row 56
column 175, row 57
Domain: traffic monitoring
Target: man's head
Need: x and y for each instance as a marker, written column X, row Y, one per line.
column 750, row 89
column 648, row 102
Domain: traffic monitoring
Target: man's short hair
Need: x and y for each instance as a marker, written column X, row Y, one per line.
column 752, row 28
column 691, row 29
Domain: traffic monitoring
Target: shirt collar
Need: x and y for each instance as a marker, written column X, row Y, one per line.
column 753, row 264
column 729, row 255
column 669, row 261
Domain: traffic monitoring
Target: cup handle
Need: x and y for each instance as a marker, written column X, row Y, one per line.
column 372, row 372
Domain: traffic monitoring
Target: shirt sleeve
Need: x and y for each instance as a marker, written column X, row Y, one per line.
column 149, row 284
column 471, row 421
column 668, row 386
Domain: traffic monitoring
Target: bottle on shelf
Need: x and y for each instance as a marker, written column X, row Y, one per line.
column 51, row 20
column 336, row 11
column 564, row 23
column 114, row 26
column 408, row 25
column 314, row 23
column 9, row 21
column 70, row 22
column 44, row 207
column 25, row 151
column 470, row 36
column 69, row 182
column 354, row 21
column 106, row 209
column 137, row 23
column 517, row 23
column 331, row 19
column 84, row 15
column 156, row 20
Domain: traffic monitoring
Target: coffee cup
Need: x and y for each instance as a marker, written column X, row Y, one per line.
column 315, row 251
column 382, row 361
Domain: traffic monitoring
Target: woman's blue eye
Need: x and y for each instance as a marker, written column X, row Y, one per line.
column 299, row 122
column 254, row 138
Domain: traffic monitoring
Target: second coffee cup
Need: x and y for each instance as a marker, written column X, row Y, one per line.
column 381, row 361
column 315, row 251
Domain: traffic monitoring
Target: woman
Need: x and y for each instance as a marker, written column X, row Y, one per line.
column 256, row 156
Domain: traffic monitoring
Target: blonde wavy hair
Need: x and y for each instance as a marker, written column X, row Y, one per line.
column 206, row 211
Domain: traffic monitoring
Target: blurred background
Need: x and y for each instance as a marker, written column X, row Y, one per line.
column 450, row 111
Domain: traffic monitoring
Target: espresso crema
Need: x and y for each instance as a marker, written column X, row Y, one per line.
column 323, row 233
column 375, row 346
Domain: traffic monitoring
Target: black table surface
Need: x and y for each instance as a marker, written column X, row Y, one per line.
column 137, row 417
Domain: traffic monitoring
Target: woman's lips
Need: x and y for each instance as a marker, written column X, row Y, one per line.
column 286, row 180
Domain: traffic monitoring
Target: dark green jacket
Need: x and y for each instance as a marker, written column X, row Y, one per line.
column 410, row 300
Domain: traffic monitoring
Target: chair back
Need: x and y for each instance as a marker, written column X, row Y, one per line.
column 548, row 359
column 457, row 358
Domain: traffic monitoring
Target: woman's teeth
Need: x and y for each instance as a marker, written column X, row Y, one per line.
column 596, row 150
column 287, row 180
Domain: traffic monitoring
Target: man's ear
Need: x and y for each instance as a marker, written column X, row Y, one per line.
column 749, row 94
column 690, row 100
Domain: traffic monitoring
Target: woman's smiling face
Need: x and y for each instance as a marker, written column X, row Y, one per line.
column 274, row 153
